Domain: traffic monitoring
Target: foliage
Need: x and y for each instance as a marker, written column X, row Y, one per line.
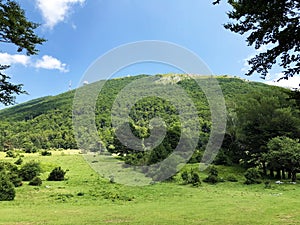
column 17, row 30
column 45, row 153
column 191, row 177
column 36, row 181
column 10, row 154
column 7, row 190
column 232, row 178
column 212, row 177
column 261, row 116
column 19, row 161
column 195, row 179
column 11, row 172
column 30, row 170
column 284, row 154
column 57, row 174
column 252, row 176
column 271, row 24
column 222, row 158
column 256, row 113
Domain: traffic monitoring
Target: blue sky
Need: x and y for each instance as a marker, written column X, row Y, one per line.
column 80, row 31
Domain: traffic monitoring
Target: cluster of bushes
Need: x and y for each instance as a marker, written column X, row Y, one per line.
column 252, row 175
column 11, row 177
column 193, row 177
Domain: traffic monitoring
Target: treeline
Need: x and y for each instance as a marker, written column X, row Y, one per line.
column 256, row 114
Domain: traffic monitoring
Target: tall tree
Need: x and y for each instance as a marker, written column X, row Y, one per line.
column 284, row 154
column 274, row 24
column 15, row 29
column 262, row 116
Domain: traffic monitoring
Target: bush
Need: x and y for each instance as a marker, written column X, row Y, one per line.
column 232, row 178
column 36, row 181
column 46, row 153
column 57, row 174
column 185, row 177
column 222, row 159
column 15, row 179
column 10, row 154
column 11, row 172
column 191, row 177
column 30, row 170
column 268, row 184
column 19, row 161
column 195, row 179
column 7, row 190
column 212, row 177
column 252, row 176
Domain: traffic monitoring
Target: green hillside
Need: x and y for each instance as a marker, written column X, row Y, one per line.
column 256, row 113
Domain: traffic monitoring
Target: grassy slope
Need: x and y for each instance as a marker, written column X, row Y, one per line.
column 163, row 203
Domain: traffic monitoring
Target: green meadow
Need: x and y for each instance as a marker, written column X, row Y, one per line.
column 87, row 197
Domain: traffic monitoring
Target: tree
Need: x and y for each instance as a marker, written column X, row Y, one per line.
column 17, row 30
column 261, row 116
column 30, row 170
column 284, row 155
column 7, row 190
column 57, row 174
column 252, row 176
column 274, row 24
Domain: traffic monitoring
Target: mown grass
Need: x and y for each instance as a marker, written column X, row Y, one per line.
column 88, row 198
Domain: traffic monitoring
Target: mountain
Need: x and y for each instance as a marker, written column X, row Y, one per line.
column 46, row 122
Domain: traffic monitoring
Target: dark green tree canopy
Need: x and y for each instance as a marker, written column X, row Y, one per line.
column 271, row 23
column 17, row 30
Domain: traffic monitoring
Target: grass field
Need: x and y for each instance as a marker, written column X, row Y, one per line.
column 87, row 198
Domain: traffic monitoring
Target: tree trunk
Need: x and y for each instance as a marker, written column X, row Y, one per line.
column 283, row 174
column 294, row 176
column 278, row 175
column 272, row 173
column 264, row 168
column 289, row 174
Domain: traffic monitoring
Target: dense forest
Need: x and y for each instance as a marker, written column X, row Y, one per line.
column 262, row 124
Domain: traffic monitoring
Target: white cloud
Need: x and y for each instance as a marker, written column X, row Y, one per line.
column 291, row 83
column 55, row 11
column 50, row 63
column 7, row 59
column 47, row 62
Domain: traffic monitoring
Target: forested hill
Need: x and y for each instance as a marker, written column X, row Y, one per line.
column 253, row 108
column 44, row 105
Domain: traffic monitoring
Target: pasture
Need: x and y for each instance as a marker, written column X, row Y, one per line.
column 86, row 197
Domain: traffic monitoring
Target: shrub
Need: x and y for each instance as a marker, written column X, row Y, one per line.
column 7, row 190
column 30, row 170
column 15, row 179
column 268, row 184
column 11, row 172
column 46, row 153
column 252, row 176
column 19, row 161
column 213, row 171
column 185, row 177
column 36, row 181
column 212, row 177
column 232, row 178
column 10, row 154
column 57, row 174
column 195, row 179
column 222, row 159
column 191, row 177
